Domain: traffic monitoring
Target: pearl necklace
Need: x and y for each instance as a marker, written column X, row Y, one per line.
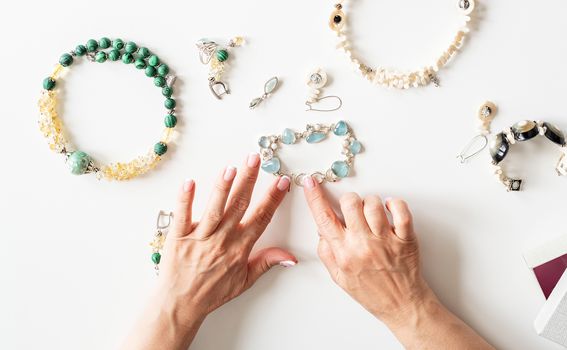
column 392, row 78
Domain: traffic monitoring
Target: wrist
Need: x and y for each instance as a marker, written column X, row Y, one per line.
column 178, row 309
column 419, row 309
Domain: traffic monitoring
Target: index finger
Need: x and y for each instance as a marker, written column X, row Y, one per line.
column 325, row 217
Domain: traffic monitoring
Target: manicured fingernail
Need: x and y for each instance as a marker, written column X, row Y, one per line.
column 308, row 182
column 283, row 183
column 229, row 173
column 188, row 185
column 253, row 160
column 287, row 263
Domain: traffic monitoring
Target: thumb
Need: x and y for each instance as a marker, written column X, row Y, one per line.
column 264, row 260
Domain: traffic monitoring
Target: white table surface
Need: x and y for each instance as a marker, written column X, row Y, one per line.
column 75, row 253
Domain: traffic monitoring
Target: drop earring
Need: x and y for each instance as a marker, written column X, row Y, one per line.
column 269, row 87
column 318, row 79
column 215, row 56
column 162, row 225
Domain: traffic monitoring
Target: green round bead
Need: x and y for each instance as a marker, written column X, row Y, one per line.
column 49, row 83
column 170, row 103
column 114, row 55
column 151, row 71
column 78, row 162
column 101, row 57
column 140, row 63
column 118, row 44
column 144, row 52
column 163, row 70
column 127, row 58
column 156, row 258
column 222, row 55
column 153, row 60
column 66, row 60
column 160, row 148
column 80, row 50
column 167, row 91
column 159, row 81
column 104, row 43
column 170, row 121
column 92, row 45
column 131, row 47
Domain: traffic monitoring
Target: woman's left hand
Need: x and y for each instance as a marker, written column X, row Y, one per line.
column 208, row 263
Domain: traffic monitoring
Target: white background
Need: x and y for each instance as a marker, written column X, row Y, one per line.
column 75, row 256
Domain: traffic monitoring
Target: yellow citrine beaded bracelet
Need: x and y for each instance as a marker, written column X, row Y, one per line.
column 100, row 51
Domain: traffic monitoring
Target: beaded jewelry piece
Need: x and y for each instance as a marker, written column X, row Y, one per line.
column 391, row 78
column 269, row 87
column 159, row 238
column 210, row 53
column 318, row 80
column 314, row 133
column 500, row 143
column 100, row 51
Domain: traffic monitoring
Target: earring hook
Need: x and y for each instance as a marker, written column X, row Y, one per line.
column 163, row 214
column 318, row 100
column 467, row 154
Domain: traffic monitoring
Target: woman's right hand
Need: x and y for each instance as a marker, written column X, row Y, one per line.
column 377, row 263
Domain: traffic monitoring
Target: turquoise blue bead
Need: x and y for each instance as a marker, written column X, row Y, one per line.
column 104, row 43
column 156, row 258
column 78, row 162
column 170, row 121
column 127, row 58
column 49, row 83
column 340, row 169
column 355, row 147
column 271, row 166
column 144, row 52
column 316, row 137
column 118, row 44
column 167, row 91
column 131, row 47
column 114, row 55
column 222, row 55
column 153, row 61
column 288, row 137
column 160, row 148
column 151, row 71
column 159, row 81
column 341, row 128
column 80, row 50
column 140, row 63
column 264, row 142
column 101, row 57
column 66, row 60
column 92, row 45
column 170, row 103
column 163, row 70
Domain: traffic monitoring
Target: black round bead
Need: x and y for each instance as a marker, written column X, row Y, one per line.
column 337, row 19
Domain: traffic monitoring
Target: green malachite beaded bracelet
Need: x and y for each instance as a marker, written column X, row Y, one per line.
column 100, row 51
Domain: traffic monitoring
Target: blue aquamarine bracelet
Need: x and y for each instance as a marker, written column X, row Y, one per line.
column 314, row 133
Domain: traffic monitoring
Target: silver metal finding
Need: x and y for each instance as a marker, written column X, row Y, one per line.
column 163, row 215
column 207, row 49
column 218, row 88
column 468, row 152
column 310, row 108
